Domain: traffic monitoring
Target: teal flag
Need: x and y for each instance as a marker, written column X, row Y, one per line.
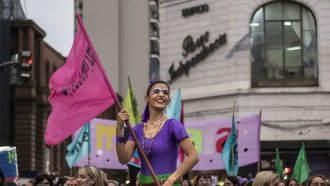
column 173, row 110
column 301, row 168
column 279, row 165
column 229, row 154
column 79, row 147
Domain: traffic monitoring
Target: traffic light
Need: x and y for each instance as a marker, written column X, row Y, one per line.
column 25, row 66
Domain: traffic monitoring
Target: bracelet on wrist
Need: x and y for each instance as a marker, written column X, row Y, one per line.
column 120, row 139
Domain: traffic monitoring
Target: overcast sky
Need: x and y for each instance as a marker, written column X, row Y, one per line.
column 56, row 18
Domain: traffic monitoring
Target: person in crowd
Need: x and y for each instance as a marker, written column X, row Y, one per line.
column 266, row 178
column 291, row 182
column 112, row 183
column 55, row 174
column 249, row 183
column 62, row 180
column 29, row 183
column 160, row 138
column 327, row 181
column 90, row 175
column 104, row 176
column 72, row 182
column 185, row 182
column 242, row 181
column 43, row 179
column 316, row 180
column 202, row 178
column 282, row 183
column 231, row 181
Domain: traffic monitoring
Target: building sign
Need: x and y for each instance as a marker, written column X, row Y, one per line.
column 195, row 10
column 190, row 46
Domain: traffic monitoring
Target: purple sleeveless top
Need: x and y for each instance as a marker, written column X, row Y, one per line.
column 164, row 150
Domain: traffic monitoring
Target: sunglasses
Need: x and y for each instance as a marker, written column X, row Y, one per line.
column 158, row 91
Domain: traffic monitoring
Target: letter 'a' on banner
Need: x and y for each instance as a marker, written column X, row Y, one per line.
column 80, row 90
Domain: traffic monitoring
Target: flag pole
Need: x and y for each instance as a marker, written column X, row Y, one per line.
column 232, row 148
column 119, row 106
column 258, row 168
column 89, row 143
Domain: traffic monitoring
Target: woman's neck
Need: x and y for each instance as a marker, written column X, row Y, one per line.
column 155, row 116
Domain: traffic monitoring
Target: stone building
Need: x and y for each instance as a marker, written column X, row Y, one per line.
column 30, row 108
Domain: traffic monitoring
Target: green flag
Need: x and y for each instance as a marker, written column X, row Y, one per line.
column 130, row 105
column 279, row 165
column 301, row 169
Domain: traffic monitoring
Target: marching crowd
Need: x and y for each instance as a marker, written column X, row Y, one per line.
column 161, row 138
column 90, row 175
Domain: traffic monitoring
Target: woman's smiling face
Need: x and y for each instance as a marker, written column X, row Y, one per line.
column 159, row 96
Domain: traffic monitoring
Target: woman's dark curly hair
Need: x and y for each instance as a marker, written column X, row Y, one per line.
column 41, row 177
column 233, row 180
column 287, row 182
column 205, row 174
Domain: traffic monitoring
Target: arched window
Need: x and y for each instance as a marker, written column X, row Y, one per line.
column 284, row 46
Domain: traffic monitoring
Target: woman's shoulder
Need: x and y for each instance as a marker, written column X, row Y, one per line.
column 173, row 122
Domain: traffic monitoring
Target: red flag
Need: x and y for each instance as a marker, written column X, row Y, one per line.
column 80, row 90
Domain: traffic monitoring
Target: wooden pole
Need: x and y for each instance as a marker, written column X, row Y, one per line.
column 89, row 143
column 232, row 148
column 258, row 168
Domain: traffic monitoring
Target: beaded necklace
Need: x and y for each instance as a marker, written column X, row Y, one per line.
column 157, row 121
column 147, row 151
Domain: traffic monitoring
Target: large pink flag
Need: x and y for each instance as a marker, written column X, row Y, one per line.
column 80, row 90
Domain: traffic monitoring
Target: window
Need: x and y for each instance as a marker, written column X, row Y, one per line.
column 284, row 46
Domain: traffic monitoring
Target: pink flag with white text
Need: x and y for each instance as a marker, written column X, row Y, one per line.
column 80, row 90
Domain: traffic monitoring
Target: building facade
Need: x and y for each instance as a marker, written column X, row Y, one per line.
column 30, row 107
column 263, row 55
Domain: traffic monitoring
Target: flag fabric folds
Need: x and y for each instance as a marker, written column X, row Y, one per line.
column 130, row 105
column 301, row 168
column 80, row 146
column 173, row 110
column 229, row 154
column 80, row 90
column 279, row 165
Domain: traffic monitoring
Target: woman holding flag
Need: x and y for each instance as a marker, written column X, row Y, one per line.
column 160, row 138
